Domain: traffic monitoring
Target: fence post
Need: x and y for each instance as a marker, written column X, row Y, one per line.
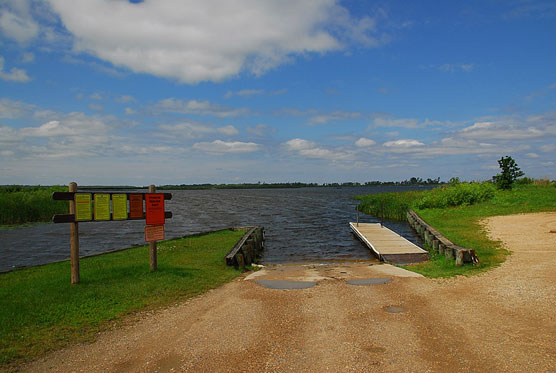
column 381, row 214
column 152, row 244
column 357, row 209
column 74, row 238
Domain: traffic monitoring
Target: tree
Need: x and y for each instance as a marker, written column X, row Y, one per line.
column 510, row 173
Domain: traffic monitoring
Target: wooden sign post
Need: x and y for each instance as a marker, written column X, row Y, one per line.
column 108, row 206
column 152, row 244
column 74, row 239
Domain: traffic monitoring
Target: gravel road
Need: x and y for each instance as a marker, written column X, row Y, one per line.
column 502, row 320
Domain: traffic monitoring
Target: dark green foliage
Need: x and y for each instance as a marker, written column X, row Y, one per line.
column 397, row 204
column 510, row 173
column 460, row 194
column 29, row 204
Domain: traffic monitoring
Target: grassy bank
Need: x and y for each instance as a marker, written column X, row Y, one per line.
column 42, row 312
column 20, row 205
column 460, row 222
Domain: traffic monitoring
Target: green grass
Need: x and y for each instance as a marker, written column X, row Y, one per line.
column 461, row 224
column 42, row 312
column 29, row 204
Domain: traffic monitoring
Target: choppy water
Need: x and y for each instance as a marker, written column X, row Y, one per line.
column 307, row 224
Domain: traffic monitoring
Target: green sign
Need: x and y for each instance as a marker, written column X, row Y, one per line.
column 102, row 206
column 83, row 207
column 119, row 206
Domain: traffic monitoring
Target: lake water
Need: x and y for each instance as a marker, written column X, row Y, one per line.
column 301, row 225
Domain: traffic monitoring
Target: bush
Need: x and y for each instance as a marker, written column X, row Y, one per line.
column 462, row 194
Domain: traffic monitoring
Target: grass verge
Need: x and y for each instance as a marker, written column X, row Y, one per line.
column 42, row 312
column 461, row 224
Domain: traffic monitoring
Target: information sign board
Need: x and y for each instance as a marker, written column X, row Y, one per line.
column 135, row 206
column 119, row 206
column 83, row 210
column 154, row 208
column 154, row 233
column 102, row 206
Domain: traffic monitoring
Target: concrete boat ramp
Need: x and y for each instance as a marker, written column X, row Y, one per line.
column 387, row 245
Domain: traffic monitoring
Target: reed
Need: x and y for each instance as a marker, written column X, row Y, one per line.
column 20, row 205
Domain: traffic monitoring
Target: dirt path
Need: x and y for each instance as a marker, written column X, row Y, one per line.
column 503, row 320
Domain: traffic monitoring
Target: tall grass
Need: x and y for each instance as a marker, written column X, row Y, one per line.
column 29, row 204
column 395, row 205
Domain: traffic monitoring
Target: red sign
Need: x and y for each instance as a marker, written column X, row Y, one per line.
column 135, row 206
column 154, row 233
column 154, row 203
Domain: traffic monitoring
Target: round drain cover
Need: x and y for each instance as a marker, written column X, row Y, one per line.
column 369, row 281
column 395, row 309
column 280, row 284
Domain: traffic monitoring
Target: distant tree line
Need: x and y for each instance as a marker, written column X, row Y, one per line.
column 262, row 185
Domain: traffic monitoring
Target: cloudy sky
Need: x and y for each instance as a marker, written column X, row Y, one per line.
column 226, row 91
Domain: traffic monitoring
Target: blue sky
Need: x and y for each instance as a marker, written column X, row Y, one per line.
column 166, row 91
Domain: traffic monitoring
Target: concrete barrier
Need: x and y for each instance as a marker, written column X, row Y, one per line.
column 248, row 249
column 439, row 243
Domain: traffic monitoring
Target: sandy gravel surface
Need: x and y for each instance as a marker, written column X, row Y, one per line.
column 503, row 320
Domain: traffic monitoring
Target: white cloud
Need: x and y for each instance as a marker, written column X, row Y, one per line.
column 259, row 130
column 254, row 92
column 28, row 57
column 309, row 149
column 186, row 130
column 450, row 67
column 17, row 23
column 193, row 130
column 509, row 129
column 336, row 115
column 228, row 130
column 95, row 107
column 403, row 143
column 204, row 107
column 245, row 93
column 299, row 144
column 219, row 146
column 404, row 122
column 547, row 164
column 547, row 148
column 532, row 155
column 364, row 142
column 14, row 109
column 14, row 75
column 198, row 41
column 126, row 99
column 129, row 111
column 95, row 96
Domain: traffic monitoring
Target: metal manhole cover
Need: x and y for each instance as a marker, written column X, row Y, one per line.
column 369, row 281
column 395, row 309
column 281, row 284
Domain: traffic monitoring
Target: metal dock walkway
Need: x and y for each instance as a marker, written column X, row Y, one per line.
column 387, row 245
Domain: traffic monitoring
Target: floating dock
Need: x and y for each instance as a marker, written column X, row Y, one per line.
column 387, row 245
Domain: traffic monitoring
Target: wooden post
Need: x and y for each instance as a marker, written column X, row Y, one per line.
column 74, row 238
column 152, row 244
column 459, row 258
column 381, row 214
column 357, row 209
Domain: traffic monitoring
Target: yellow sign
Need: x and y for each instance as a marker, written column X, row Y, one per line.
column 83, row 207
column 102, row 206
column 119, row 206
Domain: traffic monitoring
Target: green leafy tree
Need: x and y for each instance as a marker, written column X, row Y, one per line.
column 510, row 173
